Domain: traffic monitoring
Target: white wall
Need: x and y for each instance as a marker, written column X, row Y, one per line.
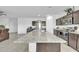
column 8, row 22
column 24, row 23
column 49, row 23
column 4, row 21
column 13, row 24
column 76, row 8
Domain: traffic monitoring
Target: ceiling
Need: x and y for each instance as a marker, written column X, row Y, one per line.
column 32, row 11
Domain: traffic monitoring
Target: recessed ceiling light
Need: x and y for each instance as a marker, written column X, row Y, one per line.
column 39, row 15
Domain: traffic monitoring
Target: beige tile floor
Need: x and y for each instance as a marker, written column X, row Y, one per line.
column 9, row 46
column 65, row 48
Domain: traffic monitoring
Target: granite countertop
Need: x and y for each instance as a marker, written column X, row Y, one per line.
column 40, row 37
column 75, row 33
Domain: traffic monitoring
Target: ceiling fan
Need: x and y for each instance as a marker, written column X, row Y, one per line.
column 2, row 13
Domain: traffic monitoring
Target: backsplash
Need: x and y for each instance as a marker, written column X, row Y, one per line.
column 65, row 26
column 69, row 27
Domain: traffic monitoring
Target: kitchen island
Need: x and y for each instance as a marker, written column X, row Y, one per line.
column 42, row 42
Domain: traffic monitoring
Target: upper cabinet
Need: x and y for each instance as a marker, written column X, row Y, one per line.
column 76, row 17
column 58, row 21
column 68, row 19
column 43, row 23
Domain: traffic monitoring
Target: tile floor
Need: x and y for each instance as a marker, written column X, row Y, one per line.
column 9, row 46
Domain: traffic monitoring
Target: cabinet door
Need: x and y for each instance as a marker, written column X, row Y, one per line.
column 73, row 40
column 66, row 20
column 69, row 19
column 78, row 44
column 76, row 18
column 58, row 22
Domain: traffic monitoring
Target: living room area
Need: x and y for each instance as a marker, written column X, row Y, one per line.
column 8, row 34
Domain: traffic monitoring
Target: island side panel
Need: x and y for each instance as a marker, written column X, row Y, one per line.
column 32, row 47
column 48, row 47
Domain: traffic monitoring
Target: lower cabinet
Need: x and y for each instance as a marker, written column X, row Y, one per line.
column 78, row 44
column 62, row 34
column 73, row 40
